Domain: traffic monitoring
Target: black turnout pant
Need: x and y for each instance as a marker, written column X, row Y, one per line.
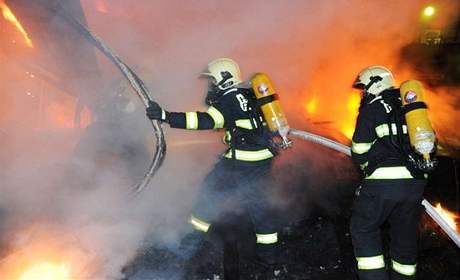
column 398, row 202
column 234, row 188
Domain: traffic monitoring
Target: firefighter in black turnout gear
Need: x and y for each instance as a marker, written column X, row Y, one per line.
column 241, row 178
column 392, row 188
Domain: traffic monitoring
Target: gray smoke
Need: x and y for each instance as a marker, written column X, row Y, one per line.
column 69, row 186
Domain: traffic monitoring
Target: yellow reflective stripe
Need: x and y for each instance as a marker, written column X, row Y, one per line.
column 361, row 148
column 244, row 123
column 404, row 269
column 199, row 224
column 394, row 129
column 217, row 116
column 405, row 129
column 375, row 262
column 250, row 155
column 397, row 172
column 270, row 238
column 191, row 120
column 384, row 130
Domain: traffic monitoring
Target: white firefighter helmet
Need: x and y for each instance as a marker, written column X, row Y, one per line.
column 374, row 79
column 225, row 72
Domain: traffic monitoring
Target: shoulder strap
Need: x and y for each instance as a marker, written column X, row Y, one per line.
column 395, row 122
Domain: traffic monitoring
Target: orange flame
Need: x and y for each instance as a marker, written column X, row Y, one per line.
column 448, row 216
column 312, row 105
column 9, row 16
column 46, row 271
column 345, row 123
column 36, row 254
column 61, row 114
column 348, row 124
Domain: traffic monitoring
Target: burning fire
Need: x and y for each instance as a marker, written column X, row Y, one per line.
column 46, row 271
column 9, row 16
column 448, row 216
column 348, row 125
column 345, row 122
column 312, row 105
column 51, row 254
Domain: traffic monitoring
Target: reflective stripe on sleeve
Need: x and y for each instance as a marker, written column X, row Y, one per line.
column 244, row 123
column 404, row 269
column 270, row 238
column 217, row 116
column 376, row 262
column 250, row 155
column 199, row 224
column 397, row 172
column 361, row 148
column 384, row 130
column 191, row 120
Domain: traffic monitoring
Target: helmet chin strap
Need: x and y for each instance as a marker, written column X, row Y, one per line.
column 374, row 79
column 214, row 91
column 225, row 77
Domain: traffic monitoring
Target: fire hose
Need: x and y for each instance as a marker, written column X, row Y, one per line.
column 430, row 210
column 140, row 89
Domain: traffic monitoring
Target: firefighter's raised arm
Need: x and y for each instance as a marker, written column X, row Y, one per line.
column 212, row 119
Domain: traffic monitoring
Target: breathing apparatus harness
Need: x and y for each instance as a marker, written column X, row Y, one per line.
column 398, row 137
column 258, row 135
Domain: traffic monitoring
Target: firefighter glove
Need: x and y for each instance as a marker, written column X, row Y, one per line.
column 155, row 112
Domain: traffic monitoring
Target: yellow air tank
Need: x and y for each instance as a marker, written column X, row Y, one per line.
column 421, row 134
column 270, row 106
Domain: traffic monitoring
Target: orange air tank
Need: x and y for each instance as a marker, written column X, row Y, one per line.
column 268, row 100
column 421, row 134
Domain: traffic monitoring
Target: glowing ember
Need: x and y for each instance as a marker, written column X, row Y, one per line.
column 448, row 216
column 46, row 271
column 9, row 16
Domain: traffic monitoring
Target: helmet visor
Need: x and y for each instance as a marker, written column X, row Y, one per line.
column 358, row 84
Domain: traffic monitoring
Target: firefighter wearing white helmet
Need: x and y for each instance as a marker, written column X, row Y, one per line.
column 375, row 79
column 224, row 73
column 241, row 177
column 392, row 189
